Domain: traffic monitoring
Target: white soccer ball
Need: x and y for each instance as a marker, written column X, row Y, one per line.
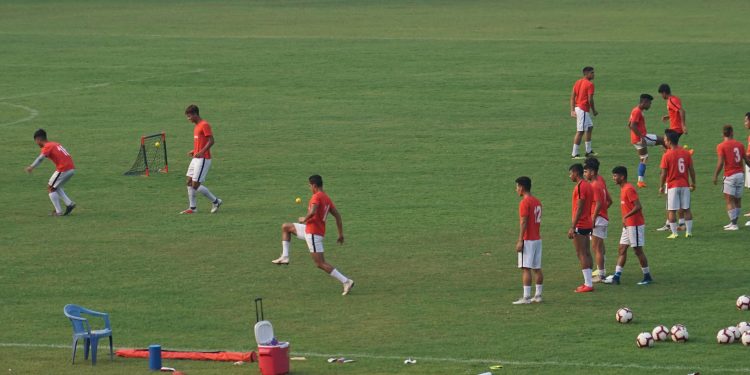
column 743, row 327
column 724, row 336
column 624, row 315
column 660, row 333
column 745, row 338
column 743, row 303
column 679, row 333
column 644, row 340
column 735, row 332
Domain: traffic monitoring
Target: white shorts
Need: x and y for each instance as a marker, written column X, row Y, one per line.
column 583, row 120
column 648, row 140
column 678, row 198
column 531, row 256
column 633, row 236
column 733, row 184
column 198, row 169
column 747, row 177
column 58, row 179
column 600, row 227
column 314, row 241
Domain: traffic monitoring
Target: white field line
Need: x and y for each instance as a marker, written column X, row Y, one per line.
column 32, row 114
column 452, row 360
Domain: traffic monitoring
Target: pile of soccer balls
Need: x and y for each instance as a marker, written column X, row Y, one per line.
column 741, row 332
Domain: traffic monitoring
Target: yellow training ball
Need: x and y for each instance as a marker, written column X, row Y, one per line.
column 298, row 200
column 157, row 144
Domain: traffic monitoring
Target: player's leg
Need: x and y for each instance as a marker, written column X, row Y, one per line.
column 54, row 197
column 287, row 230
column 526, row 281
column 643, row 158
column 58, row 185
column 192, row 205
column 622, row 256
column 597, row 244
column 315, row 244
column 685, row 208
column 576, row 144
column 589, row 131
column 580, row 129
column 673, row 205
column 199, row 178
column 539, row 276
column 583, row 251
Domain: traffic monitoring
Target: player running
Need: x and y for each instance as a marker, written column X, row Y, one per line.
column 640, row 138
column 678, row 174
column 64, row 170
column 203, row 140
column 581, row 108
column 529, row 244
column 732, row 158
column 676, row 114
column 599, row 217
column 312, row 229
column 633, row 228
column 582, row 225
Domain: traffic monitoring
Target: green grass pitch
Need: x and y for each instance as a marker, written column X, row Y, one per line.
column 419, row 115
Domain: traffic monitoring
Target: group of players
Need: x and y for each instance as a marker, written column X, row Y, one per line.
column 311, row 227
column 591, row 199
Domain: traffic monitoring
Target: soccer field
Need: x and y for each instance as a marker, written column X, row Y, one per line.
column 419, row 115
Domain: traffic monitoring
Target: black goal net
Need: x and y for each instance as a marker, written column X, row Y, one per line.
column 152, row 156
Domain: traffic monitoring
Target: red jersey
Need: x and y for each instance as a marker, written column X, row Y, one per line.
column 636, row 116
column 674, row 104
column 531, row 208
column 583, row 191
column 600, row 195
column 676, row 161
column 732, row 151
column 628, row 196
column 581, row 90
column 59, row 155
column 317, row 223
column 201, row 132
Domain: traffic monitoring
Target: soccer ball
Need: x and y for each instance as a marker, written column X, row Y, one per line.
column 679, row 333
column 724, row 336
column 624, row 315
column 644, row 340
column 743, row 327
column 745, row 339
column 743, row 303
column 735, row 332
column 660, row 333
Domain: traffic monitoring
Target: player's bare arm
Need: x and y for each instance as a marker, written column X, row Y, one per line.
column 597, row 208
column 519, row 243
column 719, row 167
column 634, row 128
column 662, row 180
column 205, row 148
column 579, row 212
column 609, row 200
column 684, row 124
column 691, row 172
column 309, row 215
column 573, row 104
column 593, row 107
column 339, row 225
column 636, row 209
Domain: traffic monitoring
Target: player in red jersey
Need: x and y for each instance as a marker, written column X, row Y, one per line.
column 582, row 225
column 732, row 158
column 312, row 229
column 676, row 113
column 640, row 138
column 203, row 140
column 582, row 108
column 529, row 244
column 747, row 166
column 599, row 216
column 678, row 174
column 633, row 228
column 64, row 170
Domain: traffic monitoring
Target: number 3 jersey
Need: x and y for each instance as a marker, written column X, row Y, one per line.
column 733, row 152
column 57, row 153
column 676, row 161
column 531, row 208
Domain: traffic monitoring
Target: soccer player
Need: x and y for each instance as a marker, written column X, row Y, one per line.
column 640, row 138
column 581, row 108
column 529, row 244
column 678, row 173
column 747, row 166
column 312, row 229
column 676, row 114
column 203, row 140
column 581, row 225
column 633, row 228
column 64, row 170
column 732, row 158
column 599, row 217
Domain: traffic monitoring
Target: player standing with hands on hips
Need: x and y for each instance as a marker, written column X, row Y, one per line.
column 203, row 140
column 581, row 108
column 529, row 244
column 64, row 170
column 312, row 229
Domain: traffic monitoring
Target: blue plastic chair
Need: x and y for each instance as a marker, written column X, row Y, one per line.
column 82, row 330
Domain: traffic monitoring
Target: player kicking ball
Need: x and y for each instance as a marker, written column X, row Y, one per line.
column 529, row 244
column 640, row 138
column 732, row 158
column 679, row 176
column 203, row 140
column 581, row 225
column 64, row 170
column 312, row 229
column 633, row 228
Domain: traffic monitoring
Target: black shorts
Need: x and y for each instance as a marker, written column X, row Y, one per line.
column 583, row 231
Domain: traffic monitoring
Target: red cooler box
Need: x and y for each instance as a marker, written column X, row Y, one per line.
column 274, row 359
